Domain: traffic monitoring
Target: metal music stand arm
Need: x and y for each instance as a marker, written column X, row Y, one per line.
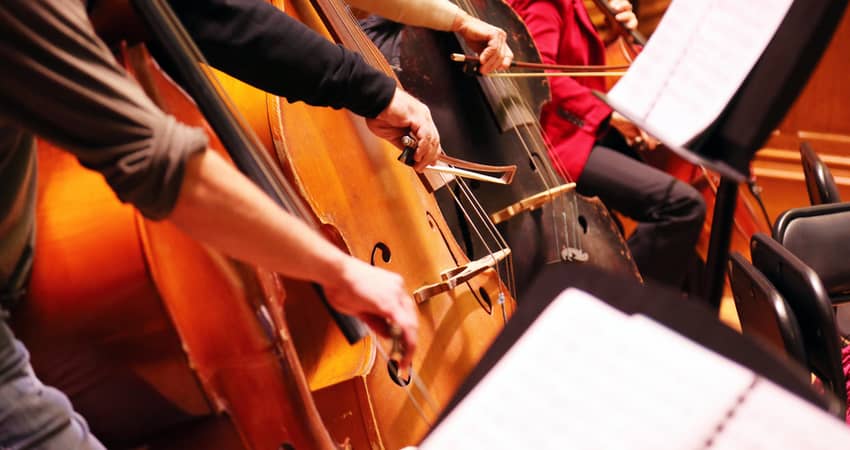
column 718, row 244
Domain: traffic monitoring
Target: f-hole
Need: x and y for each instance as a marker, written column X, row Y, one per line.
column 485, row 301
column 382, row 251
column 582, row 221
column 533, row 161
column 392, row 368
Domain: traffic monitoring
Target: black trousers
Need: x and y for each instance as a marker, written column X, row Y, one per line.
column 670, row 212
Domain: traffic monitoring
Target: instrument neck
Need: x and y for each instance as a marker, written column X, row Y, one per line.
column 345, row 29
column 241, row 143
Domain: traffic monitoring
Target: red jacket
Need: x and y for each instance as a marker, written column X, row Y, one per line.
column 565, row 35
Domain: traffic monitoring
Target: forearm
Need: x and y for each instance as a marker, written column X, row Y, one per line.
column 257, row 231
column 434, row 14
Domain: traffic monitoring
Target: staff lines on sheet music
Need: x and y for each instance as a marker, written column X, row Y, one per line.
column 677, row 66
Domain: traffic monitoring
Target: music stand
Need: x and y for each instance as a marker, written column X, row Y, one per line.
column 690, row 319
column 762, row 100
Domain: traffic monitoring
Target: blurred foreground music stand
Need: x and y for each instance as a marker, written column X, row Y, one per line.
column 690, row 319
column 761, row 101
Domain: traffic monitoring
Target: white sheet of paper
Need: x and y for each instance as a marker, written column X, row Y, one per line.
column 772, row 419
column 694, row 64
column 518, row 404
column 587, row 376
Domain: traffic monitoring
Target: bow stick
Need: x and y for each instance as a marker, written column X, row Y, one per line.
column 460, row 57
column 554, row 74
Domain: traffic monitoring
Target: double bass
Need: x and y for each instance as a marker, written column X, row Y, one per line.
column 379, row 210
column 495, row 120
column 156, row 339
column 159, row 341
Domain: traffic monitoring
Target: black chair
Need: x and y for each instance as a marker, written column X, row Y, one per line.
column 820, row 237
column 762, row 311
column 808, row 300
column 819, row 182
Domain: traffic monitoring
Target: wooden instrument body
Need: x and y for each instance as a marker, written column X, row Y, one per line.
column 471, row 128
column 93, row 321
column 378, row 210
column 155, row 338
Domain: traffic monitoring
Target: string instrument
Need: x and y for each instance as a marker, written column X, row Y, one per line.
column 156, row 339
column 495, row 120
column 622, row 46
column 381, row 211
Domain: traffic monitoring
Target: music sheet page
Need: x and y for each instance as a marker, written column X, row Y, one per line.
column 587, row 376
column 694, row 63
column 772, row 419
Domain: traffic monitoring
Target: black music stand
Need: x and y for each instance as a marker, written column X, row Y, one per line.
column 762, row 100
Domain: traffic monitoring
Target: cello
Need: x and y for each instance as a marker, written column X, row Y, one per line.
column 495, row 120
column 389, row 219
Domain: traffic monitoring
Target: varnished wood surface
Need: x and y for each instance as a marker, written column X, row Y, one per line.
column 378, row 210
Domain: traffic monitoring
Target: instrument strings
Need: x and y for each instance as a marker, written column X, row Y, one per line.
column 490, row 237
column 357, row 40
column 509, row 91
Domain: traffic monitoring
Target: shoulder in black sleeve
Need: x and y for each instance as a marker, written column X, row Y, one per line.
column 262, row 46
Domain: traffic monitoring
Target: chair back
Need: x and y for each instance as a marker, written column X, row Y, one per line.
column 809, row 302
column 763, row 312
column 819, row 181
column 820, row 237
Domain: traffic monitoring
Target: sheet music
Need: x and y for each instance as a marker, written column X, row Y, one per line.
column 587, row 376
column 518, row 404
column 772, row 419
column 694, row 64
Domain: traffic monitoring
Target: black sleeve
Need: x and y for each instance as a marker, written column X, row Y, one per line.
column 262, row 46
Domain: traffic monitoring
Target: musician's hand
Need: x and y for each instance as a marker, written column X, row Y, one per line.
column 624, row 14
column 378, row 297
column 407, row 115
column 635, row 136
column 489, row 41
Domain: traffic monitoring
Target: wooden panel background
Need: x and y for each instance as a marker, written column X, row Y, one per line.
column 821, row 116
